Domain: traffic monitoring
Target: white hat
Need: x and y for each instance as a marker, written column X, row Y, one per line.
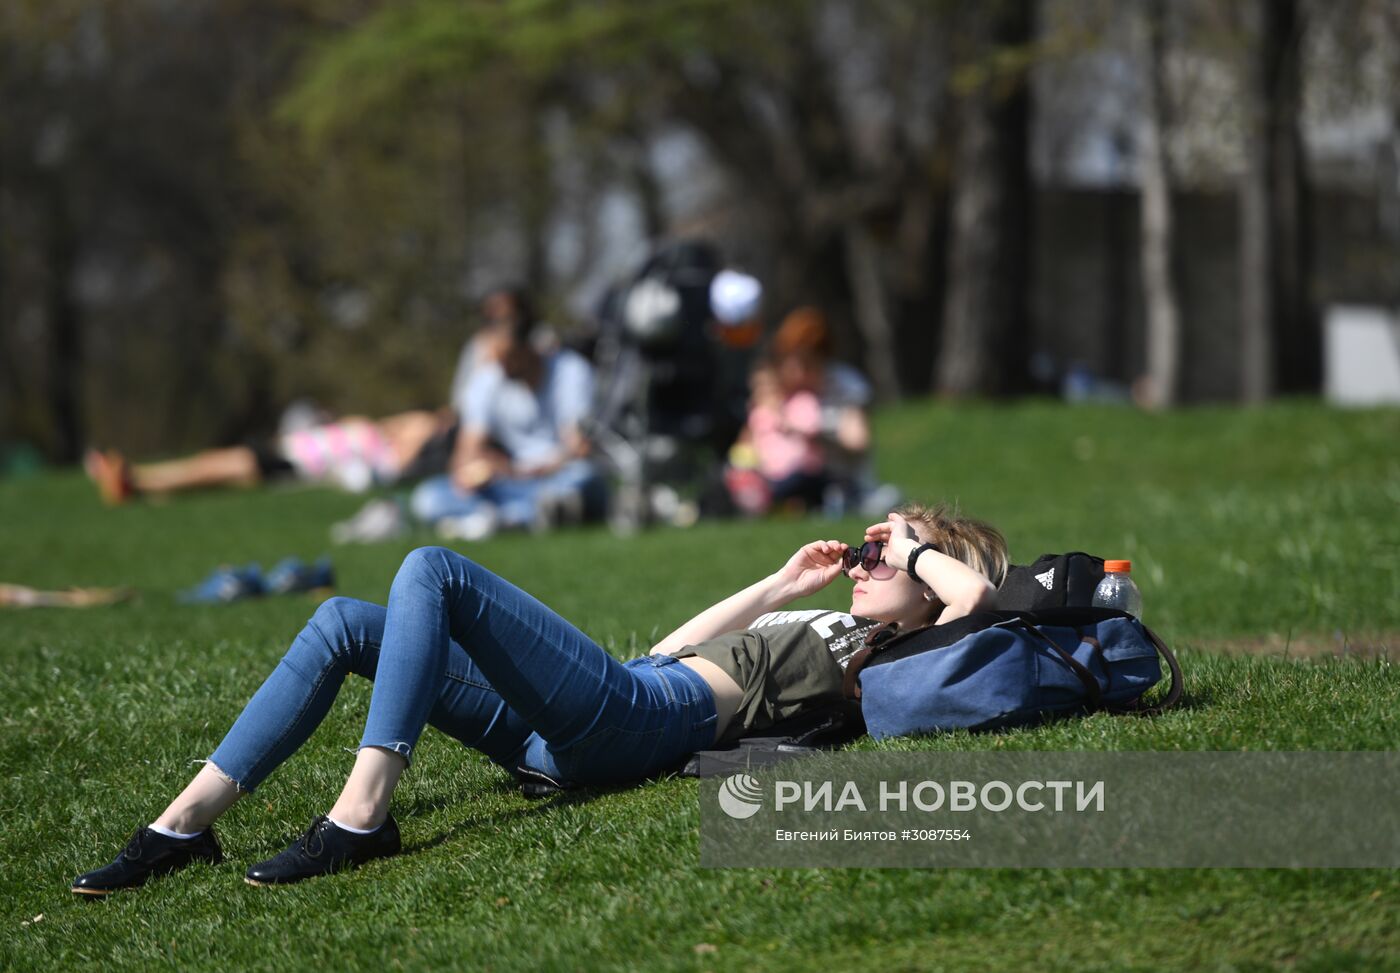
column 735, row 297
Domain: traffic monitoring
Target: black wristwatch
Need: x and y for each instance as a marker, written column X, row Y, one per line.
column 914, row 559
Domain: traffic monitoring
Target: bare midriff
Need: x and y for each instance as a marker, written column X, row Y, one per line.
column 727, row 692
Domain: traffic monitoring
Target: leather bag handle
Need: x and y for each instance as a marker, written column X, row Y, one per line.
column 1135, row 706
column 850, row 680
column 1173, row 691
column 1091, row 684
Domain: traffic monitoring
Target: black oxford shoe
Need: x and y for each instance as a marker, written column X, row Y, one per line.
column 323, row 849
column 148, row 853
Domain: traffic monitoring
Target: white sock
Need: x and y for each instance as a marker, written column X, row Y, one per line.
column 173, row 834
column 346, row 827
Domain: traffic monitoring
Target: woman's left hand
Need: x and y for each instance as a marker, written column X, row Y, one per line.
column 811, row 569
column 894, row 534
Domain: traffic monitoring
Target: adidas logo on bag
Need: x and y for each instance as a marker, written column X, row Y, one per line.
column 1047, row 579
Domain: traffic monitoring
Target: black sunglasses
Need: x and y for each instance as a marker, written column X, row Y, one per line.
column 868, row 556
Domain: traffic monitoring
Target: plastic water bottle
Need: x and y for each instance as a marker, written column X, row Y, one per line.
column 1117, row 590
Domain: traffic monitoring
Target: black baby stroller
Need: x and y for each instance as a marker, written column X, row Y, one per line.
column 671, row 392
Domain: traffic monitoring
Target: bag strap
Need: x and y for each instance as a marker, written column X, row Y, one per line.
column 1173, row 691
column 1085, row 676
column 1091, row 684
column 876, row 641
column 850, row 681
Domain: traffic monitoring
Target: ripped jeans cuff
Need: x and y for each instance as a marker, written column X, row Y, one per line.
column 226, row 777
column 404, row 750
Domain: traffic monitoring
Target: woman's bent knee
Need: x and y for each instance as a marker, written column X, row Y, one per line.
column 334, row 610
column 340, row 628
column 430, row 564
column 342, row 619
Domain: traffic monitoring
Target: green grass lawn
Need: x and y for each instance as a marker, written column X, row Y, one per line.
column 1270, row 526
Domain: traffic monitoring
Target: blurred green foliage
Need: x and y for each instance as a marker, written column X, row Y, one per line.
column 209, row 209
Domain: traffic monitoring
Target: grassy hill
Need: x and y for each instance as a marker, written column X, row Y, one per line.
column 1273, row 529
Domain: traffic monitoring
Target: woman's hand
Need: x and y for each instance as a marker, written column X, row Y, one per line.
column 899, row 540
column 811, row 569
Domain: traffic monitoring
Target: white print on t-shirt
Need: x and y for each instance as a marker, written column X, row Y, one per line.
column 823, row 622
column 842, row 644
column 782, row 618
column 824, row 626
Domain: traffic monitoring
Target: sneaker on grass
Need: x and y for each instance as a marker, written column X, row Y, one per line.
column 291, row 576
column 226, row 584
column 378, row 520
column 476, row 526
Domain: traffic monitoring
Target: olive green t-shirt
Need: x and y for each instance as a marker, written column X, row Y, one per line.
column 787, row 662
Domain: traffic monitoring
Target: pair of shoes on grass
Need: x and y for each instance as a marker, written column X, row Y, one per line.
column 324, row 848
column 288, row 576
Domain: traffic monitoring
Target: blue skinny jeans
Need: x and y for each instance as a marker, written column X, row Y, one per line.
column 515, row 500
column 471, row 654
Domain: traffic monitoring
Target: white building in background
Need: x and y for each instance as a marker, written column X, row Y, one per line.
column 1362, row 356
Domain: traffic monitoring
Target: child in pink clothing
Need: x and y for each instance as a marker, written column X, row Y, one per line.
column 785, row 431
column 807, row 442
column 779, row 454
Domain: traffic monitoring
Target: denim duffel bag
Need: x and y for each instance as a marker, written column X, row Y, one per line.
column 995, row 669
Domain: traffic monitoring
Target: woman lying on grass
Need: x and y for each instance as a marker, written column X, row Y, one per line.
column 481, row 660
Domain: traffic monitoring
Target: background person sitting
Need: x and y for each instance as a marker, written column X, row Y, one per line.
column 521, row 458
column 500, row 310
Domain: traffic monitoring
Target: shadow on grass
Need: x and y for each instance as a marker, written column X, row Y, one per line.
column 467, row 826
column 423, row 806
column 1190, row 700
column 1194, row 700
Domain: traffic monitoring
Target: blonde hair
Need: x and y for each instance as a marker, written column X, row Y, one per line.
column 978, row 545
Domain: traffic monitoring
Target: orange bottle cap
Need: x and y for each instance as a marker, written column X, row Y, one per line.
column 1125, row 567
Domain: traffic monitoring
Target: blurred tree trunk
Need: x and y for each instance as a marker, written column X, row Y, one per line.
column 1281, row 343
column 536, row 197
column 871, row 315
column 920, row 259
column 920, row 255
column 9, row 374
column 64, row 345
column 987, row 315
column 1158, row 231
